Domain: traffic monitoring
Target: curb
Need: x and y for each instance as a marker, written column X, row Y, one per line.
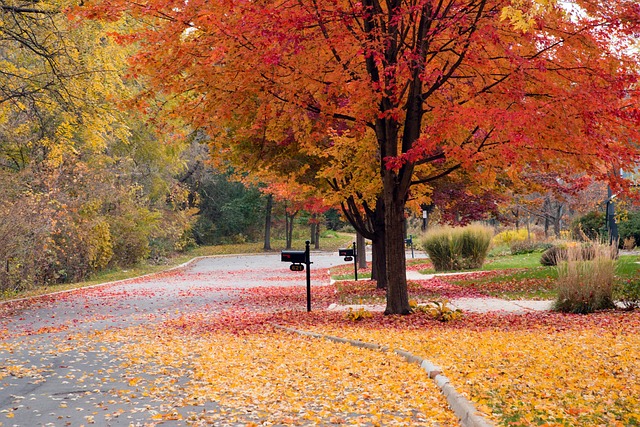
column 464, row 409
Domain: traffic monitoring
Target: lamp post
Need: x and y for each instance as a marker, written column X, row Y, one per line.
column 610, row 218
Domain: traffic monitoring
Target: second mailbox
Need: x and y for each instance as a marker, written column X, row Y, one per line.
column 296, row 257
column 345, row 252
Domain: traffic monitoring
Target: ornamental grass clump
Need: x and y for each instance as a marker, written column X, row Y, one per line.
column 586, row 279
column 457, row 248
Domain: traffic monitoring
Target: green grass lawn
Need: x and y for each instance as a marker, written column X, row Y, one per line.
column 503, row 275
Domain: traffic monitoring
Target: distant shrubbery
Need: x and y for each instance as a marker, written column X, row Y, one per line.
column 630, row 230
column 457, row 248
column 528, row 246
column 588, row 227
column 510, row 237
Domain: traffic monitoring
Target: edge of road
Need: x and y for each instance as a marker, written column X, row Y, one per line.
column 468, row 415
column 113, row 282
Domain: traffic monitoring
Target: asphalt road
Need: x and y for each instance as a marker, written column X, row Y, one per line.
column 50, row 377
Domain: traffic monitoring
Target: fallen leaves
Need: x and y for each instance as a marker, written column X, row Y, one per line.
column 215, row 360
column 528, row 369
column 273, row 377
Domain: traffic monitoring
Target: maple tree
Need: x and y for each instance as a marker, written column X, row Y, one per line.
column 426, row 87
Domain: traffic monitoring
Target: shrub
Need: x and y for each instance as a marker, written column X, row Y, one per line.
column 628, row 293
column 551, row 256
column 629, row 243
column 439, row 310
column 588, row 227
column 359, row 314
column 528, row 246
column 509, row 237
column 586, row 279
column 457, row 248
column 630, row 227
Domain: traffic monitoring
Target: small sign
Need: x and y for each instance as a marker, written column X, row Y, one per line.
column 296, row 267
column 348, row 258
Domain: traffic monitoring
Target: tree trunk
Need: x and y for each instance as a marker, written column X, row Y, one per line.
column 313, row 233
column 394, row 203
column 267, row 223
column 317, row 236
column 378, row 251
column 378, row 263
column 362, row 251
column 289, row 228
column 557, row 220
column 371, row 226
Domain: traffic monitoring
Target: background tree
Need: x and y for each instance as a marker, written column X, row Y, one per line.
column 85, row 186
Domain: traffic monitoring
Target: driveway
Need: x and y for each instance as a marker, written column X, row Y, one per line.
column 50, row 376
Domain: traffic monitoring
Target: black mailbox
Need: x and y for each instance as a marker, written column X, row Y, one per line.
column 296, row 257
column 345, row 252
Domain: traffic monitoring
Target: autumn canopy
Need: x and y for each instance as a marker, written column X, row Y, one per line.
column 374, row 102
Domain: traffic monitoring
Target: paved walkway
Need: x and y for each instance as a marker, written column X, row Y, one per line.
column 476, row 305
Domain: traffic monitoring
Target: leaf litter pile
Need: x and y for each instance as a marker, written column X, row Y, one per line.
column 228, row 365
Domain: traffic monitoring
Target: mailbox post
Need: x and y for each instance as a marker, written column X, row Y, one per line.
column 351, row 254
column 298, row 259
column 409, row 242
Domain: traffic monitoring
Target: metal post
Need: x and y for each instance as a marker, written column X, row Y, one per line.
column 411, row 240
column 610, row 218
column 355, row 260
column 308, row 262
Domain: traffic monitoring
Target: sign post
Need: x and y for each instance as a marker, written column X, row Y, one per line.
column 409, row 242
column 351, row 254
column 298, row 259
column 307, row 252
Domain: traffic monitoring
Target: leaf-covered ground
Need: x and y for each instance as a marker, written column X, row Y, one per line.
column 515, row 284
column 222, row 362
column 525, row 370
column 261, row 376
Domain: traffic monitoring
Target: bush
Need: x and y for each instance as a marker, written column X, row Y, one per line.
column 509, row 237
column 528, row 246
column 438, row 310
column 630, row 227
column 586, row 279
column 588, row 227
column 553, row 255
column 357, row 315
column 629, row 243
column 457, row 248
column 628, row 293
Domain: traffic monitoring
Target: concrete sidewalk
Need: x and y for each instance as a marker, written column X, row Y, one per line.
column 474, row 305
